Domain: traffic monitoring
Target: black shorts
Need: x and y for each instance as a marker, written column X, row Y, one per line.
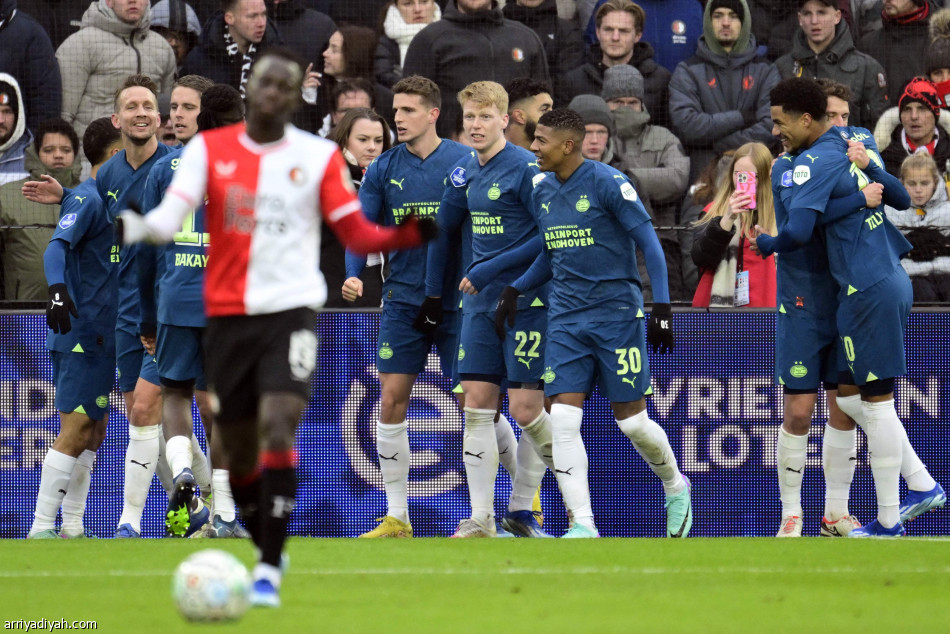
column 250, row 355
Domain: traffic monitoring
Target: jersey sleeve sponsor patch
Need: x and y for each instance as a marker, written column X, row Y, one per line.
column 458, row 177
column 787, row 178
column 801, row 174
column 67, row 221
column 537, row 179
column 628, row 192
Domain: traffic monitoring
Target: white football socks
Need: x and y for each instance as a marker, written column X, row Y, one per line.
column 480, row 455
column 540, row 432
column 528, row 477
column 54, row 479
column 223, row 500
column 570, row 462
column 74, row 503
column 140, row 459
column 392, row 449
column 838, row 457
column 653, row 445
column 178, row 453
column 883, row 430
column 791, row 452
column 505, row 437
column 912, row 468
column 162, row 471
column 200, row 466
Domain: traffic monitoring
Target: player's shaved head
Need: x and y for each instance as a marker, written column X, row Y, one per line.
column 567, row 121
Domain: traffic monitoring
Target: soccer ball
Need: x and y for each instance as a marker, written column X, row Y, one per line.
column 211, row 585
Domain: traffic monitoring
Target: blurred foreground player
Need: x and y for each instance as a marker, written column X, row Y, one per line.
column 267, row 185
column 80, row 262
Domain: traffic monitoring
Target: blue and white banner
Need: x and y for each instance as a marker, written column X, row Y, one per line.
column 714, row 396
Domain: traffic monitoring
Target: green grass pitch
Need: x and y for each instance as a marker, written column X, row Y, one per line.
column 441, row 585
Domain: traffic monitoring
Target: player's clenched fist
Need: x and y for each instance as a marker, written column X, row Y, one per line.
column 352, row 288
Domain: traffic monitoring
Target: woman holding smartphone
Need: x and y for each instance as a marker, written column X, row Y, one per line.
column 732, row 274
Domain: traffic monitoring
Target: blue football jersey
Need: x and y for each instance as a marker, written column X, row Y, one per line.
column 119, row 185
column 181, row 280
column 803, row 280
column 497, row 199
column 92, row 262
column 586, row 222
column 399, row 183
column 863, row 247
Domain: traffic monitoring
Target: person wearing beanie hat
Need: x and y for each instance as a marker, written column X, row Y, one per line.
column 900, row 45
column 938, row 54
column 919, row 111
column 594, row 111
column 14, row 137
column 622, row 81
column 719, row 98
column 620, row 32
column 653, row 156
column 822, row 48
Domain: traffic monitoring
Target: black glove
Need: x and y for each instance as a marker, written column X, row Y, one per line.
column 430, row 315
column 426, row 226
column 749, row 118
column 660, row 329
column 506, row 310
column 58, row 309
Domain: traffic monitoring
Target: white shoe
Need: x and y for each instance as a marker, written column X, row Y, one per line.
column 474, row 528
column 841, row 527
column 791, row 526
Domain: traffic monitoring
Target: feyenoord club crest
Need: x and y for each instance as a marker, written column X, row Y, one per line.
column 517, row 54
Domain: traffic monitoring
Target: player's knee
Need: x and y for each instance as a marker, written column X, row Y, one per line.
column 145, row 412
column 393, row 407
column 524, row 413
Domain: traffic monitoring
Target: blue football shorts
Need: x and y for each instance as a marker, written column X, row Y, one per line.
column 611, row 353
column 83, row 382
column 132, row 361
column 180, row 354
column 519, row 358
column 404, row 350
column 806, row 350
column 871, row 325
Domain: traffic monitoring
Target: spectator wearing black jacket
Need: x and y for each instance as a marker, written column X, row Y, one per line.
column 27, row 55
column 562, row 39
column 473, row 42
column 620, row 29
column 901, row 44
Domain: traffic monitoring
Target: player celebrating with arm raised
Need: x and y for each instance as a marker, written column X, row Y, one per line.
column 267, row 184
column 408, row 179
column 589, row 213
column 493, row 188
column 863, row 250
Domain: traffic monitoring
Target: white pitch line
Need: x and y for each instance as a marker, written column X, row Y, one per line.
column 317, row 572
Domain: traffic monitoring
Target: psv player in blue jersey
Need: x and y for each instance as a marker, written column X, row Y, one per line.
column 493, row 190
column 119, row 183
column 589, row 213
column 863, row 251
column 408, row 179
column 80, row 263
column 180, row 320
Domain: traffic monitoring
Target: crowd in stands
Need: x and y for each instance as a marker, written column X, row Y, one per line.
column 675, row 93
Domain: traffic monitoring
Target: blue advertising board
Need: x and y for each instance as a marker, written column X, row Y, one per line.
column 714, row 395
